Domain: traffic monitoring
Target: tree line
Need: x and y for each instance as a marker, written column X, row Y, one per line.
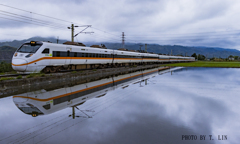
column 202, row 57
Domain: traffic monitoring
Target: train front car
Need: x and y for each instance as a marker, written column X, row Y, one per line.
column 24, row 59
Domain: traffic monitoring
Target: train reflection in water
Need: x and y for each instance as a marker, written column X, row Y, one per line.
column 46, row 102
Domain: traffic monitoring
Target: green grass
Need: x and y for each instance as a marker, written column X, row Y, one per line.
column 6, row 78
column 207, row 64
column 35, row 75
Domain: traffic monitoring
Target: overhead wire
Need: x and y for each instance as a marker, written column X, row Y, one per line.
column 127, row 37
column 32, row 23
column 28, row 18
column 105, row 31
column 36, row 13
column 40, row 22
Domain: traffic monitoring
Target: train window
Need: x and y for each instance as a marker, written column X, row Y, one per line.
column 75, row 54
column 68, row 53
column 79, row 54
column 29, row 48
column 86, row 54
column 45, row 51
column 64, row 54
column 93, row 55
column 47, row 106
column 96, row 55
column 90, row 55
column 58, row 54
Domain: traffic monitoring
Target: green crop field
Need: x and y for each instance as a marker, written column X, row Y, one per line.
column 207, row 64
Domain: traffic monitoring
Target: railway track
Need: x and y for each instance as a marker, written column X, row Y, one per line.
column 62, row 71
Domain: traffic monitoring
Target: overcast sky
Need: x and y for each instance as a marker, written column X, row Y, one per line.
column 167, row 22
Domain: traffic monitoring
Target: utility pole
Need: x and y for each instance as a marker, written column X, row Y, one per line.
column 73, row 112
column 123, row 39
column 72, row 29
column 72, row 32
column 145, row 47
column 140, row 48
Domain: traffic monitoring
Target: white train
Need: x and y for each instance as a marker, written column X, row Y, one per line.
column 36, row 56
column 44, row 102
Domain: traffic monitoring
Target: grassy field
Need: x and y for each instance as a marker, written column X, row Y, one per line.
column 207, row 64
column 5, row 67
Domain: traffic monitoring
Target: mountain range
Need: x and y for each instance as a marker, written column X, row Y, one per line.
column 8, row 48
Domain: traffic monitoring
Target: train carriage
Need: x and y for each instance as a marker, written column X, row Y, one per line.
column 38, row 56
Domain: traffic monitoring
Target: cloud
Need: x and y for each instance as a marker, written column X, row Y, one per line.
column 159, row 18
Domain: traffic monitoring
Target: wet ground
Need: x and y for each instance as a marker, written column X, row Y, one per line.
column 188, row 105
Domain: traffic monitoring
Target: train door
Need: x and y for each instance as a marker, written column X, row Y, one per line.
column 68, row 55
column 112, row 54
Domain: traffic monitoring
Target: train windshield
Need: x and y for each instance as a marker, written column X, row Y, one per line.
column 30, row 110
column 29, row 48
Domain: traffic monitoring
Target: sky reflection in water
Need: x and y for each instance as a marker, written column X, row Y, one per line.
column 192, row 101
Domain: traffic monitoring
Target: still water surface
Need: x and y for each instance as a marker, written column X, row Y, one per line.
column 168, row 107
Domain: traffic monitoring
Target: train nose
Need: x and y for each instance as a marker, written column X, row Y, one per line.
column 19, row 64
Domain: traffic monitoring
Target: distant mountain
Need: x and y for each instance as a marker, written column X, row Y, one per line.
column 6, row 53
column 180, row 50
column 7, row 48
column 18, row 43
column 217, row 48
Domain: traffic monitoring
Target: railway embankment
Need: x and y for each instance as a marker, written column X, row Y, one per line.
column 57, row 80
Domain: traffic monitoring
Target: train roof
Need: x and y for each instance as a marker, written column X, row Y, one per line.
column 95, row 47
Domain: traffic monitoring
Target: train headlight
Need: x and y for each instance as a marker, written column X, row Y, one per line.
column 29, row 55
column 15, row 54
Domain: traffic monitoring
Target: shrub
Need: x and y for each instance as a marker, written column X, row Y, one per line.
column 29, row 76
column 5, row 67
column 19, row 77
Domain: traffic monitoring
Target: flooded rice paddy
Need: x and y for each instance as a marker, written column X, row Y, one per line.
column 180, row 105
